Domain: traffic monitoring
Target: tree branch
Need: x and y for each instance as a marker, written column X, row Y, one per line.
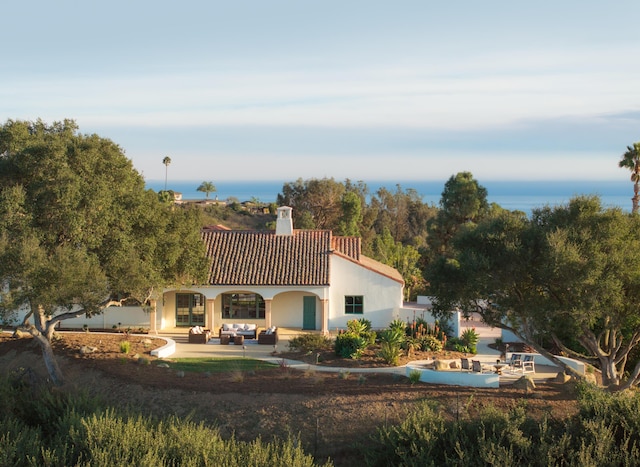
column 571, row 353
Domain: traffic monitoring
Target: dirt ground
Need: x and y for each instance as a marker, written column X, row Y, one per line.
column 331, row 414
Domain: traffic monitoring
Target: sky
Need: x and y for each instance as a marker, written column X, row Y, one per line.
column 365, row 90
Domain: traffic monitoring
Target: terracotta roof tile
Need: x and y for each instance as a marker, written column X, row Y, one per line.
column 263, row 258
column 348, row 246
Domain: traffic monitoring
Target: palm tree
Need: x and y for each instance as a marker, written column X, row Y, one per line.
column 631, row 160
column 166, row 161
column 207, row 187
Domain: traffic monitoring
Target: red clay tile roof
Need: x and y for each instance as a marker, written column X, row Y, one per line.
column 241, row 257
column 348, row 246
column 264, row 258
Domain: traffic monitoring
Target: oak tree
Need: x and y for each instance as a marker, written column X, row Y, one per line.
column 567, row 276
column 79, row 232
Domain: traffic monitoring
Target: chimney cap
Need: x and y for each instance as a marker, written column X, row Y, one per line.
column 284, row 222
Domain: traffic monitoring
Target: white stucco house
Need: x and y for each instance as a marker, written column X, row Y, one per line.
column 304, row 279
column 300, row 279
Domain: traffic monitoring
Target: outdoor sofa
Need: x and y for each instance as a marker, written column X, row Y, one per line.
column 248, row 331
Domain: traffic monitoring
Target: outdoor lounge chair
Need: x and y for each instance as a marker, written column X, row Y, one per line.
column 197, row 335
column 464, row 362
column 528, row 365
column 269, row 336
column 476, row 366
column 515, row 362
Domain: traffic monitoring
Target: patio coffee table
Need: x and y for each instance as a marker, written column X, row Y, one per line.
column 224, row 340
column 238, row 340
column 499, row 367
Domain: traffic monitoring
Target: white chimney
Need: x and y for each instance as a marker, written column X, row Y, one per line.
column 284, row 223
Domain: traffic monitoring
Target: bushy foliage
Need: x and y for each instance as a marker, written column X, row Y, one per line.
column 362, row 328
column 350, row 345
column 393, row 336
column 390, row 352
column 414, row 376
column 310, row 343
column 605, row 432
column 430, row 343
column 457, row 345
column 397, row 324
column 365, row 323
column 39, row 426
column 125, row 346
column 470, row 339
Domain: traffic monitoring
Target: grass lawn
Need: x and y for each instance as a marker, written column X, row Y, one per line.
column 219, row 365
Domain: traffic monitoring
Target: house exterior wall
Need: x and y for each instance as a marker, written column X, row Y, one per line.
column 287, row 310
column 286, row 305
column 382, row 295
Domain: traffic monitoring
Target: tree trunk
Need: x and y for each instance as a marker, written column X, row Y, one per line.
column 610, row 376
column 50, row 361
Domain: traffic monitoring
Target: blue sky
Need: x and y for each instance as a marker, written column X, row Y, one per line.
column 366, row 90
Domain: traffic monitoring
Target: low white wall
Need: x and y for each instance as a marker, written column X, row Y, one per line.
column 168, row 349
column 457, row 378
column 128, row 316
column 133, row 317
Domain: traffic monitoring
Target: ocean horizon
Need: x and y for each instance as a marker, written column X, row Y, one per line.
column 513, row 195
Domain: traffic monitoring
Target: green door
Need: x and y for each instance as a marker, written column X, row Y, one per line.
column 309, row 313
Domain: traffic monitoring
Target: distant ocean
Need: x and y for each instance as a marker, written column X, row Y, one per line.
column 512, row 195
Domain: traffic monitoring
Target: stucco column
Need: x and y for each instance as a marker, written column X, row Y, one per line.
column 267, row 312
column 209, row 318
column 153, row 327
column 324, row 324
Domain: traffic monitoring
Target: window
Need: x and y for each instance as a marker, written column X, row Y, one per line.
column 242, row 306
column 189, row 309
column 354, row 304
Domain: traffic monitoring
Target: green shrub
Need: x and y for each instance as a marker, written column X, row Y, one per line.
column 430, row 343
column 356, row 327
column 310, row 343
column 390, row 353
column 55, row 428
column 457, row 345
column 349, row 345
column 366, row 324
column 392, row 336
column 125, row 346
column 414, row 376
column 411, row 344
column 397, row 324
column 470, row 337
column 426, row 438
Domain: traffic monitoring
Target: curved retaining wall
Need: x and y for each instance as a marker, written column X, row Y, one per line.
column 168, row 349
column 456, row 377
